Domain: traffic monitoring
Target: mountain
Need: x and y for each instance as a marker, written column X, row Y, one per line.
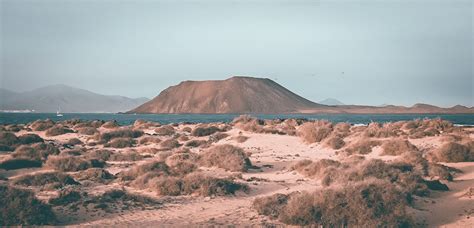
column 233, row 95
column 258, row 95
column 330, row 101
column 69, row 99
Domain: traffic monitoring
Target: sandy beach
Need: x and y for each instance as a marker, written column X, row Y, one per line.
column 271, row 157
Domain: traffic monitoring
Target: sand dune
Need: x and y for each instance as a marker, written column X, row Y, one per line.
column 273, row 148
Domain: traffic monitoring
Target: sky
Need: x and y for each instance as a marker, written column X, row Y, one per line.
column 369, row 52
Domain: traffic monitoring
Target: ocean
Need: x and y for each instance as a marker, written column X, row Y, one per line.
column 126, row 119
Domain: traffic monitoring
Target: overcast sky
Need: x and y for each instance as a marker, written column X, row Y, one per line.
column 360, row 52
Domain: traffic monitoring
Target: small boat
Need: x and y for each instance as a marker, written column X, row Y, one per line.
column 58, row 113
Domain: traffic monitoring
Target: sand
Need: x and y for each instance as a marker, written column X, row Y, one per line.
column 274, row 154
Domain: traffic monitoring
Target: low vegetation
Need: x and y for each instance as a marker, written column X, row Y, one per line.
column 121, row 143
column 72, row 163
column 453, row 152
column 228, row 157
column 49, row 180
column 316, row 131
column 21, row 207
column 365, row 204
column 58, row 130
column 120, row 133
column 396, row 147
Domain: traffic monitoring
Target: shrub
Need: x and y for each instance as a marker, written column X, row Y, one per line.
column 122, row 197
column 195, row 143
column 41, row 125
column 65, row 197
column 382, row 131
column 367, row 204
column 95, row 174
column 165, row 130
column 45, row 149
column 19, row 163
column 182, row 163
column 248, row 123
column 87, row 130
column 170, row 144
column 127, row 156
column 187, row 129
column 100, row 154
column 149, row 140
column 315, row 169
column 29, row 139
column 397, row 147
column 74, row 141
column 204, row 131
column 8, row 139
column 5, row 148
column 312, row 132
column 228, row 157
column 121, row 133
column 156, row 167
column 217, row 137
column 271, row 205
column 210, row 186
column 120, row 143
column 21, row 207
column 58, row 130
column 72, row 163
column 362, row 146
column 110, row 124
column 335, row 142
column 26, row 152
column 49, row 180
column 453, row 152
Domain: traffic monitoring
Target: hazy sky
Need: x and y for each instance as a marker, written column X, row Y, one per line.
column 396, row 52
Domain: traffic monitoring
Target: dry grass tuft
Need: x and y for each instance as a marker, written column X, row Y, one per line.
column 195, row 143
column 335, row 142
column 121, row 143
column 396, row 147
column 316, row 131
column 57, row 130
column 41, row 125
column 365, row 204
column 72, row 163
column 170, row 144
column 21, row 207
column 29, row 139
column 110, row 124
column 8, row 138
column 453, row 152
column 228, row 157
column 205, row 130
column 131, row 155
column 19, row 163
column 96, row 175
column 149, row 140
column 165, row 130
column 121, row 133
column 87, row 130
column 362, row 146
column 49, row 180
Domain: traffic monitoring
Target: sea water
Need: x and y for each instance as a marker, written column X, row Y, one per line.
column 126, row 119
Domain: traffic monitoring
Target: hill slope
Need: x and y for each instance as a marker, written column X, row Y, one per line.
column 233, row 95
column 69, row 99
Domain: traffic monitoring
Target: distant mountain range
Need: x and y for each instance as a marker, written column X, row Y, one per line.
column 68, row 99
column 330, row 101
column 260, row 95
